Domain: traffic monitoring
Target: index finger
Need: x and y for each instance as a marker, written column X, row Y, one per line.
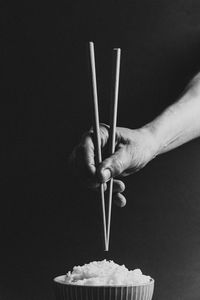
column 85, row 156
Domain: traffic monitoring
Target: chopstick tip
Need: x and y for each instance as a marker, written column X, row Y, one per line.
column 117, row 49
column 106, row 248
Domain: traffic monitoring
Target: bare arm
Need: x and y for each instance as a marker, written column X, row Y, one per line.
column 180, row 122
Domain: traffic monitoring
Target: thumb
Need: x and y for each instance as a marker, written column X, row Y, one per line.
column 114, row 165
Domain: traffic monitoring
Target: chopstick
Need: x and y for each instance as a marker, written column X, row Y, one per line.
column 112, row 130
column 112, row 123
column 97, row 133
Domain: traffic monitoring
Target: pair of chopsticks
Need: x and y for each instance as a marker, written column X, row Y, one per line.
column 112, row 130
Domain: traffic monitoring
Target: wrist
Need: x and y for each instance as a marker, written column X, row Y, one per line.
column 154, row 141
column 148, row 143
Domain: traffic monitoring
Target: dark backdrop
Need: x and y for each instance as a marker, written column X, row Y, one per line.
column 48, row 223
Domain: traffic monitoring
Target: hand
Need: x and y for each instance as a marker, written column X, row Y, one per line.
column 133, row 150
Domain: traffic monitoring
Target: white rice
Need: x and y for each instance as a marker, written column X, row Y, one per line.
column 105, row 273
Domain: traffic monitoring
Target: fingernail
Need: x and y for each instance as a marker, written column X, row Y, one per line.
column 106, row 174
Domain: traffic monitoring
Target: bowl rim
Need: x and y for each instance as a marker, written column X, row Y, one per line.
column 59, row 280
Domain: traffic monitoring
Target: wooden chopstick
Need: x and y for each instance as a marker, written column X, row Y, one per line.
column 97, row 132
column 112, row 123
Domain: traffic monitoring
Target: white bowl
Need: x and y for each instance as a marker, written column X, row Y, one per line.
column 65, row 291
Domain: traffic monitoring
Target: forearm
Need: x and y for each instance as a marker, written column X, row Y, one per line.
column 180, row 122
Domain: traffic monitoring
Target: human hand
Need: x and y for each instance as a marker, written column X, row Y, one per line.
column 133, row 150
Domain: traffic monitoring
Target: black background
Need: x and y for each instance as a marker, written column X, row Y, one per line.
column 48, row 224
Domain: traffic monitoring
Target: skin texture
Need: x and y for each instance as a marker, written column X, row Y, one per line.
column 178, row 124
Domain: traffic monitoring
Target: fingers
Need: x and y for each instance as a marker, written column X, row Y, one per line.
column 82, row 160
column 119, row 200
column 85, row 156
column 118, row 188
column 114, row 165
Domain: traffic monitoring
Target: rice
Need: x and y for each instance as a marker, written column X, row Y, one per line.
column 105, row 273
